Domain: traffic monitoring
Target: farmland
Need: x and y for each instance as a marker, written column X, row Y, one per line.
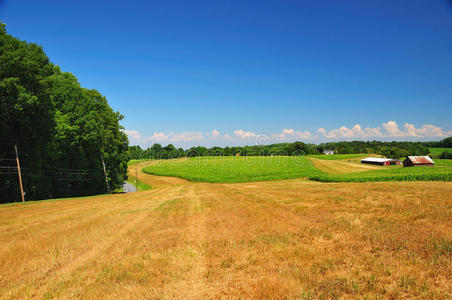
column 391, row 174
column 443, row 162
column 271, row 239
column 438, row 151
column 340, row 166
column 243, row 169
column 234, row 169
column 338, row 156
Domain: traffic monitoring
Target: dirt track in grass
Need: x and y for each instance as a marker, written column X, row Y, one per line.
column 153, row 180
column 341, row 166
column 273, row 239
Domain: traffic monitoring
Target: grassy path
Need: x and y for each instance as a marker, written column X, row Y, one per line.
column 273, row 239
column 341, row 166
column 153, row 180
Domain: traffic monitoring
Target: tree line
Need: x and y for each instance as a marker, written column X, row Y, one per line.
column 62, row 130
column 388, row 149
column 446, row 143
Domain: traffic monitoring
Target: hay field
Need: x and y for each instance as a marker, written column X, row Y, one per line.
column 342, row 166
column 341, row 156
column 274, row 239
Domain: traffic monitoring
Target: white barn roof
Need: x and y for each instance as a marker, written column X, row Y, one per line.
column 376, row 159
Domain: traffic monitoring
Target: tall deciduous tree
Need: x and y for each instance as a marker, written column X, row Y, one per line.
column 61, row 128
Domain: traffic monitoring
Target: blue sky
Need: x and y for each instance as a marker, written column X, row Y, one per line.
column 229, row 72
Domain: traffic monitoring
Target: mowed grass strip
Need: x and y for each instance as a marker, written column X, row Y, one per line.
column 392, row 173
column 140, row 184
column 342, row 166
column 235, row 169
column 131, row 173
column 339, row 156
column 286, row 239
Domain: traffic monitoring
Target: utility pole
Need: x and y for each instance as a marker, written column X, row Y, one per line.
column 136, row 179
column 20, row 175
column 105, row 173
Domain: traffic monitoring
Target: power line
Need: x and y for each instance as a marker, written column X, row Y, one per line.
column 47, row 171
column 64, row 179
column 66, row 169
column 4, row 170
column 63, row 172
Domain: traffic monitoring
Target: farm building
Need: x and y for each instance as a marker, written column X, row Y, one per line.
column 328, row 152
column 381, row 161
column 394, row 161
column 376, row 161
column 413, row 161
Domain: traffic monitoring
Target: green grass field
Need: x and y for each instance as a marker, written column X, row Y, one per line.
column 253, row 168
column 440, row 172
column 438, row 151
column 338, row 156
column 443, row 162
column 134, row 161
column 141, row 185
column 235, row 169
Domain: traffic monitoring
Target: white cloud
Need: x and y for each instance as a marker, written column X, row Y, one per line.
column 215, row 133
column 392, row 129
column 322, row 131
column 244, row 134
column 372, row 132
column 136, row 137
column 291, row 134
column 426, row 130
column 177, row 137
column 387, row 131
column 158, row 136
column 344, row 132
column 132, row 134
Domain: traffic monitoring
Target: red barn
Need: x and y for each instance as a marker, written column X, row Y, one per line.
column 414, row 161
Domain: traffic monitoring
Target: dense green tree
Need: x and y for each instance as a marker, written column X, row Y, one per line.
column 62, row 130
column 389, row 149
column 445, row 155
column 135, row 152
column 446, row 143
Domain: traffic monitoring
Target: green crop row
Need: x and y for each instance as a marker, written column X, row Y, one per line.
column 235, row 169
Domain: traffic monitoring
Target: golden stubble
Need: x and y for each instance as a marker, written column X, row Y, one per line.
column 342, row 166
column 274, row 239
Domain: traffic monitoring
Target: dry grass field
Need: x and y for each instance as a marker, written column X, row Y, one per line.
column 274, row 239
column 342, row 166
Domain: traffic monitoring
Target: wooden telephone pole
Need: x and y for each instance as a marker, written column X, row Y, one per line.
column 136, row 179
column 20, row 175
column 105, row 173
